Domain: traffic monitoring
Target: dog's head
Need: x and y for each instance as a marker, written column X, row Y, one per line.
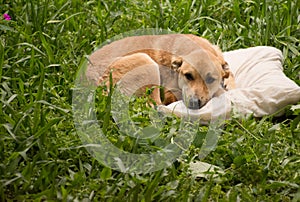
column 200, row 78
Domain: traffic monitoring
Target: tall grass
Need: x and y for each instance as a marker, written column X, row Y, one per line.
column 42, row 47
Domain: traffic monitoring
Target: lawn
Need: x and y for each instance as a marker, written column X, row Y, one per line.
column 42, row 157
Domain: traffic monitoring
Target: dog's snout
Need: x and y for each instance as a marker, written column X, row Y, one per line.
column 194, row 103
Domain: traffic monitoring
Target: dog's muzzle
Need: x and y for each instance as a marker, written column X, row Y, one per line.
column 194, row 103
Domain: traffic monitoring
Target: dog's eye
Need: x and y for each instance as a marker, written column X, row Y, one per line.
column 209, row 79
column 189, row 76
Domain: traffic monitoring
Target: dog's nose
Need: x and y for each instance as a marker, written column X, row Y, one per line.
column 194, row 103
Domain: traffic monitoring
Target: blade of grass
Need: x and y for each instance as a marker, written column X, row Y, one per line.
column 37, row 109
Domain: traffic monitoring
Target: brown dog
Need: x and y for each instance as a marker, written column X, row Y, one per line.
column 187, row 66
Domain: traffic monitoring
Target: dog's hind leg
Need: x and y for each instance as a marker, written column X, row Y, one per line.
column 134, row 73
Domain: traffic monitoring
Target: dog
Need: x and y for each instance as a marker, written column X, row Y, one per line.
column 188, row 68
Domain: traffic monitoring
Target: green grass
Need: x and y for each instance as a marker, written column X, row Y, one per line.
column 41, row 155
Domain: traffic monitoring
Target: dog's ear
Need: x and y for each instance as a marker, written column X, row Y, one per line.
column 219, row 56
column 226, row 70
column 228, row 78
column 176, row 63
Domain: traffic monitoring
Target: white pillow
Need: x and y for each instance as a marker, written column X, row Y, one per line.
column 262, row 87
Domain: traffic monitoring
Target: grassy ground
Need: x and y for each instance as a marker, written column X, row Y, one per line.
column 41, row 48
